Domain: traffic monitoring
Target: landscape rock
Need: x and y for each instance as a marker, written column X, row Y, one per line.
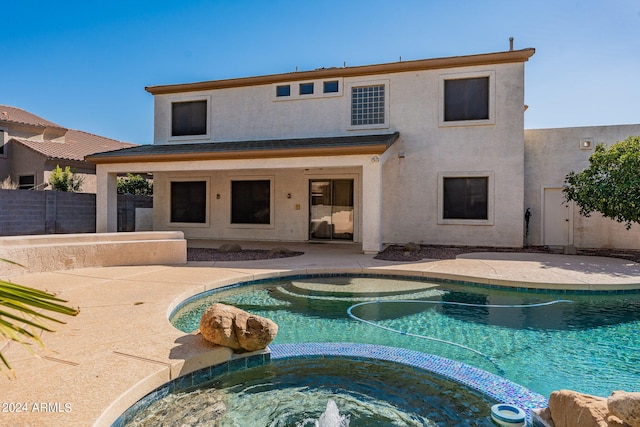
column 280, row 250
column 411, row 247
column 237, row 329
column 229, row 247
column 572, row 409
column 625, row 406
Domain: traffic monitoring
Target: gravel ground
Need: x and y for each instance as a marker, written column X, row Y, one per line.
column 418, row 252
column 208, row 254
column 407, row 252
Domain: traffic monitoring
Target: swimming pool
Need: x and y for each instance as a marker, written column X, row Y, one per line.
column 588, row 343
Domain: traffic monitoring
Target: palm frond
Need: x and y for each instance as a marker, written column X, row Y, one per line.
column 22, row 319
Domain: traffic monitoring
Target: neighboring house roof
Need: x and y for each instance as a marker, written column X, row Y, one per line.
column 337, row 145
column 510, row 56
column 77, row 145
column 17, row 115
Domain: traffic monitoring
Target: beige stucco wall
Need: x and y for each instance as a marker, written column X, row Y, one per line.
column 25, row 161
column 290, row 215
column 72, row 251
column 552, row 153
column 410, row 185
column 81, row 169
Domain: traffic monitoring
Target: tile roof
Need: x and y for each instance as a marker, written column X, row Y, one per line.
column 77, row 145
column 17, row 115
column 272, row 146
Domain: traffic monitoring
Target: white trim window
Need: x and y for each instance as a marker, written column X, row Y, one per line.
column 465, row 198
column 189, row 118
column 467, row 99
column 312, row 89
column 369, row 105
column 252, row 203
column 189, row 201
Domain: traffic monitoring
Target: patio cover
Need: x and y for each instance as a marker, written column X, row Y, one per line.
column 367, row 152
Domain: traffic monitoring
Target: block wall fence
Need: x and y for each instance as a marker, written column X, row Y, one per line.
column 24, row 212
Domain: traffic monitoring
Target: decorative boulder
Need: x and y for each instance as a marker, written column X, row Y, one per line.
column 411, row 247
column 232, row 327
column 280, row 250
column 229, row 247
column 625, row 406
column 572, row 409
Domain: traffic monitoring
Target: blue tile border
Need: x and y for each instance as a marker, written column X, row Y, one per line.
column 491, row 385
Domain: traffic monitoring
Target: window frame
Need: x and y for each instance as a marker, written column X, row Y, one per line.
column 490, row 175
column 303, row 89
column 180, row 99
column 207, row 201
column 491, row 75
column 27, row 175
column 349, row 104
column 296, row 96
column 4, row 136
column 271, row 180
column 283, row 86
column 324, row 86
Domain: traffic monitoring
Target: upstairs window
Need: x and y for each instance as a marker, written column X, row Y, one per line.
column 189, row 118
column 368, row 105
column 306, row 88
column 466, row 99
column 331, row 86
column 283, row 90
column 2, row 153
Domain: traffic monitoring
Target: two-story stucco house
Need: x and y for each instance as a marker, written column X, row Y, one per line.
column 428, row 151
column 31, row 147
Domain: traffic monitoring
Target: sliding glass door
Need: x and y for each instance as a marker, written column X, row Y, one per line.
column 331, row 209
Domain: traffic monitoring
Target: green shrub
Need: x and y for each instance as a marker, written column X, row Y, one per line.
column 65, row 180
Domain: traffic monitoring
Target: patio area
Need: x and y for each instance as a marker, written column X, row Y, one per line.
column 121, row 345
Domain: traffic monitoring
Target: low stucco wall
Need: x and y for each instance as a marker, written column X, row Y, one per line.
column 39, row 253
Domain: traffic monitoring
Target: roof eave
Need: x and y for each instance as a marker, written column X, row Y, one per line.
column 373, row 149
column 511, row 56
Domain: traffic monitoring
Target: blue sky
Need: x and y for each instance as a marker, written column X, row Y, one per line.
column 84, row 65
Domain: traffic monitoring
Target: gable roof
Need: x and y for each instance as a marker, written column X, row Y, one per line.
column 270, row 148
column 77, row 145
column 20, row 116
column 510, row 56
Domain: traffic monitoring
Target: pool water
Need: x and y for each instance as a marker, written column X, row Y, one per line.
column 295, row 392
column 588, row 343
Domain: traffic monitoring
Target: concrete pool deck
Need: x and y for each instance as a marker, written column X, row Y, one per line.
column 121, row 345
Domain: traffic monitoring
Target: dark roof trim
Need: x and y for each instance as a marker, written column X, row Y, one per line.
column 272, row 148
column 522, row 55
